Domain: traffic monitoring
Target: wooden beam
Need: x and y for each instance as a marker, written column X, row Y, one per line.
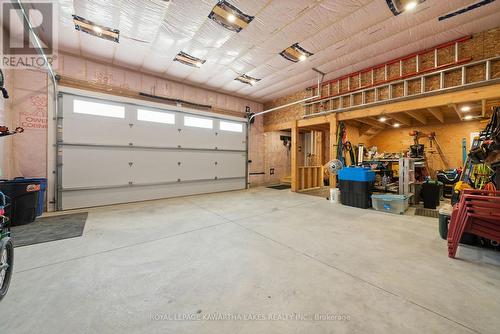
column 333, row 149
column 369, row 121
column 419, row 116
column 438, row 114
column 313, row 121
column 278, row 126
column 294, row 149
column 462, row 96
column 402, row 118
column 364, row 129
column 455, row 107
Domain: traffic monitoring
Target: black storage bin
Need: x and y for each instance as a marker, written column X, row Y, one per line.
column 356, row 193
column 23, row 198
column 430, row 194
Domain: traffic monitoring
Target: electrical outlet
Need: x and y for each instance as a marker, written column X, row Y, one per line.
column 271, row 171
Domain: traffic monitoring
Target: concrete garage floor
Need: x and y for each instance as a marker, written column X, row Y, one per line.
column 261, row 253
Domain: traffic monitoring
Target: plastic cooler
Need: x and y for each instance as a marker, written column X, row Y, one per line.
column 356, row 186
column 397, row 204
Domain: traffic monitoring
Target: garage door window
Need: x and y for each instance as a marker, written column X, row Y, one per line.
column 98, row 109
column 231, row 126
column 198, row 122
column 155, row 116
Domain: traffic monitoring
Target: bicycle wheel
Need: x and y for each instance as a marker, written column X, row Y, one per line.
column 6, row 265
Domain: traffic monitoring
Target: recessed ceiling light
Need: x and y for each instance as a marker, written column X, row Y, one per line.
column 411, row 5
column 229, row 16
column 382, row 119
column 93, row 29
column 468, row 117
column 247, row 79
column 189, row 60
column 396, row 125
column 465, row 108
column 295, row 53
column 400, row 6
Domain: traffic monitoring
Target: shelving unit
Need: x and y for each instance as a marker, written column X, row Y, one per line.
column 407, row 177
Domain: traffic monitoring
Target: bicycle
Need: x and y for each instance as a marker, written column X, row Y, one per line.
column 6, row 249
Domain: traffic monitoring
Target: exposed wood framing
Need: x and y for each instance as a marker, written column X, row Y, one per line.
column 402, row 118
column 438, row 114
column 455, row 107
column 419, row 116
column 333, row 149
column 372, row 122
column 467, row 95
column 294, row 151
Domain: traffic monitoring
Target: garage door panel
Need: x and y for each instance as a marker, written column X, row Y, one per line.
column 196, row 165
column 95, row 167
column 79, row 199
column 231, row 165
column 156, row 134
column 154, row 166
column 94, row 129
column 197, row 138
column 226, row 140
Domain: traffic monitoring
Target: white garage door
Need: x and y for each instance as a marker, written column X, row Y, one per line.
column 111, row 152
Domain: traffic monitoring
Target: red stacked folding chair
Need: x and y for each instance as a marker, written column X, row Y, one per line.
column 478, row 212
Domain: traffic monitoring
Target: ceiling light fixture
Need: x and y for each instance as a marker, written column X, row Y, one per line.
column 295, row 53
column 93, row 29
column 465, row 108
column 399, row 6
column 411, row 5
column 382, row 119
column 229, row 16
column 396, row 125
column 189, row 60
column 247, row 79
column 468, row 117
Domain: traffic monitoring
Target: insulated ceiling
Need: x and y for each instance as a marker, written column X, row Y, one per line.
column 344, row 36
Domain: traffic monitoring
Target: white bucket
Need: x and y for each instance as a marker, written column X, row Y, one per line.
column 334, row 195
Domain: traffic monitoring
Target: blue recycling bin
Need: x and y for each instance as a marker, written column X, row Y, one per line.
column 41, row 193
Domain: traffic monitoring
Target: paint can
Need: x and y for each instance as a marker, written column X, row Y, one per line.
column 334, row 195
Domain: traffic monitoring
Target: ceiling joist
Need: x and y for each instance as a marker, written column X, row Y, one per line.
column 418, row 115
column 402, row 118
column 371, row 122
column 437, row 113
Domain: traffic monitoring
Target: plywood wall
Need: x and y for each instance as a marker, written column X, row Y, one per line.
column 449, row 137
column 277, row 157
